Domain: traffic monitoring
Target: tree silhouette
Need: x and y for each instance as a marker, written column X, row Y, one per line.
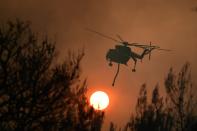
column 176, row 113
column 36, row 94
column 112, row 127
column 150, row 116
column 182, row 101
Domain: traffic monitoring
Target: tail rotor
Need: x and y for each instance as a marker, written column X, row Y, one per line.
column 150, row 51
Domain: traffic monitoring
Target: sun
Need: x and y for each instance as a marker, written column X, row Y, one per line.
column 99, row 100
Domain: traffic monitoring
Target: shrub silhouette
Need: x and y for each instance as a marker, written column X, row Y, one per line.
column 36, row 94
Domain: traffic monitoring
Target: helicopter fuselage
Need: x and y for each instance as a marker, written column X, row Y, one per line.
column 121, row 54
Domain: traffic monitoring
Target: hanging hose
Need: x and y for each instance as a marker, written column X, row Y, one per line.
column 116, row 75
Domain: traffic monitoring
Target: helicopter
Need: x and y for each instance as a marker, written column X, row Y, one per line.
column 122, row 53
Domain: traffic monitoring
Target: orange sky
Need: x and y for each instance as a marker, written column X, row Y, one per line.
column 168, row 23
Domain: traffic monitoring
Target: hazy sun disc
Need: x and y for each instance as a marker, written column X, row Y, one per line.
column 99, row 100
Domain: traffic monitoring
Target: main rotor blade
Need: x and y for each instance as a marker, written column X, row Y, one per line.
column 142, row 46
column 150, row 47
column 164, row 49
column 98, row 33
column 136, row 44
column 120, row 38
column 158, row 48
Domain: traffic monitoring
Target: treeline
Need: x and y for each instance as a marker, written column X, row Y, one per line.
column 175, row 112
column 36, row 94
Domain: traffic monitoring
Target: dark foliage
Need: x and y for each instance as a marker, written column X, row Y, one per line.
column 176, row 113
column 36, row 95
column 182, row 100
column 150, row 116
